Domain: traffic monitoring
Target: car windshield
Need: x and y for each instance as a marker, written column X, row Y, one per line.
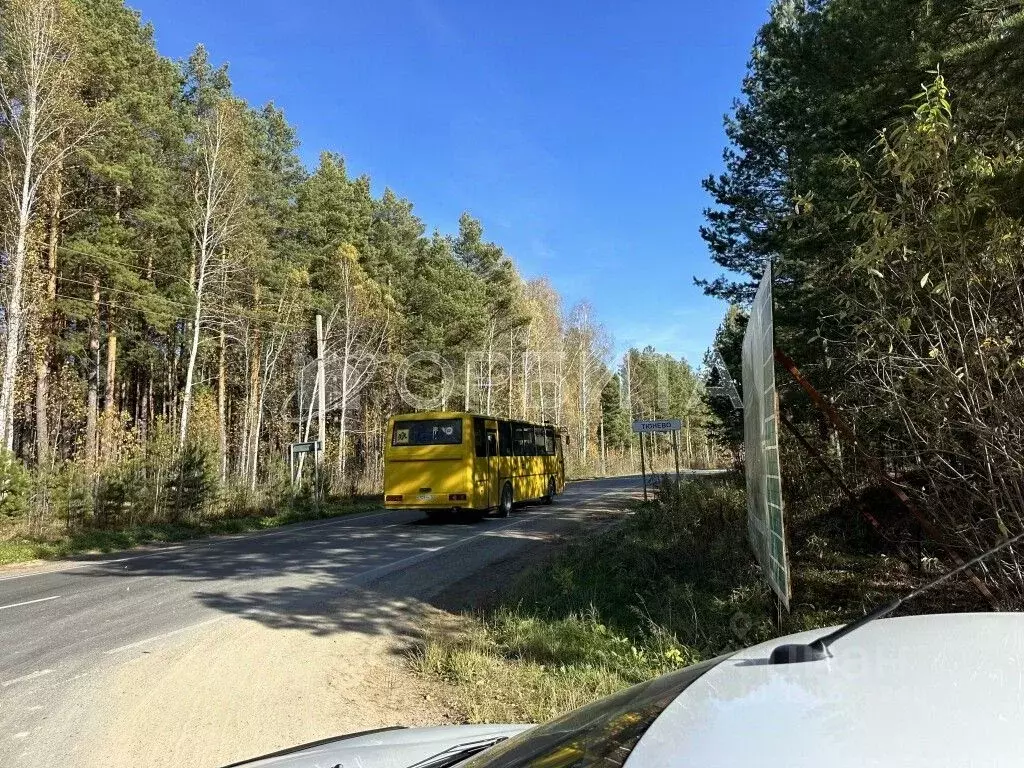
column 602, row 733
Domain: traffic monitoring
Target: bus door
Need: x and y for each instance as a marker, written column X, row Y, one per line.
column 485, row 466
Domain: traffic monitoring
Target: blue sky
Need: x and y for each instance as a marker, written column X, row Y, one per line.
column 577, row 132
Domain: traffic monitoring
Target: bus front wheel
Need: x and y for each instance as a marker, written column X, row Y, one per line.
column 505, row 503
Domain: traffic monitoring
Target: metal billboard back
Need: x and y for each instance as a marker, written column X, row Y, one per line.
column 765, row 521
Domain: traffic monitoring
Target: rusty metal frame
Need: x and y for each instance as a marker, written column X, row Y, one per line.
column 822, row 403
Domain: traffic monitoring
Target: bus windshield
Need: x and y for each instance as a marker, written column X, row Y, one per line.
column 428, row 432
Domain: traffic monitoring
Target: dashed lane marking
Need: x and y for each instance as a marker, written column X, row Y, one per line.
column 25, row 678
column 28, row 602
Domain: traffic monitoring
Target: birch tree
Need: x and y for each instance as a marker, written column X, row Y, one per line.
column 355, row 342
column 590, row 347
column 545, row 349
column 35, row 83
column 276, row 344
column 218, row 198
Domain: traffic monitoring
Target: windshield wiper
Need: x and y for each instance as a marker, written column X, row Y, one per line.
column 458, row 753
column 792, row 653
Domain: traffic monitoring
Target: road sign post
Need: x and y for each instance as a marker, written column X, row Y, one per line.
column 301, row 449
column 643, row 466
column 675, row 450
column 651, row 427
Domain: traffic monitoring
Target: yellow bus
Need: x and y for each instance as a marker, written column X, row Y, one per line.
column 444, row 462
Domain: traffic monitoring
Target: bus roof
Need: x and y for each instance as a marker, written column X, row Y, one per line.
column 424, row 415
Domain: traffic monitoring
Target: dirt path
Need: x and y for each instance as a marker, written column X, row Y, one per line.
column 243, row 689
column 204, row 703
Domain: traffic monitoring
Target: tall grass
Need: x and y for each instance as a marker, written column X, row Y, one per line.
column 671, row 585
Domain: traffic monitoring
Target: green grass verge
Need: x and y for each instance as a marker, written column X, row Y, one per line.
column 22, row 549
column 672, row 584
column 653, row 593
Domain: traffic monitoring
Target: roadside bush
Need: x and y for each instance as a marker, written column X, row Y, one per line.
column 192, row 484
column 15, row 487
column 672, row 582
column 63, row 499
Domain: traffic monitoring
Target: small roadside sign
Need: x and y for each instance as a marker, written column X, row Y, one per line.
column 651, row 427
column 657, row 425
column 297, row 458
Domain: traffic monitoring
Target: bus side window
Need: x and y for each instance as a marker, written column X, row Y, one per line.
column 549, row 441
column 504, row 438
column 492, row 443
column 479, row 437
column 523, row 439
column 538, row 441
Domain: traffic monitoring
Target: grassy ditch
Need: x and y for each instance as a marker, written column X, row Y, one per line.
column 672, row 584
column 24, row 548
column 657, row 591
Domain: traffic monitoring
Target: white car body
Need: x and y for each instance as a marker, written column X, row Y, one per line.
column 914, row 692
column 384, row 748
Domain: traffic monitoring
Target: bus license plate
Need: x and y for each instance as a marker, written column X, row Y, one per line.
column 424, row 497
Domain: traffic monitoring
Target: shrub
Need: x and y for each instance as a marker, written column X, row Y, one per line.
column 193, row 484
column 15, row 487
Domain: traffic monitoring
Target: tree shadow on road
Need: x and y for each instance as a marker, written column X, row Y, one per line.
column 371, row 575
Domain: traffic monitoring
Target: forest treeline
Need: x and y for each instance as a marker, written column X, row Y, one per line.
column 165, row 254
column 876, row 160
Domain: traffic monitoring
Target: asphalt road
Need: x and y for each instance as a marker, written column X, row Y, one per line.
column 75, row 619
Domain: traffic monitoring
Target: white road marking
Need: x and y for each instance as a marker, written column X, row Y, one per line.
column 137, row 643
column 524, row 520
column 23, row 678
column 28, row 602
column 75, row 565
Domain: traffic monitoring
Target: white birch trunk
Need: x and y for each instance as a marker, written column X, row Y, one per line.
column 32, row 101
column 218, row 203
column 186, row 400
column 15, row 310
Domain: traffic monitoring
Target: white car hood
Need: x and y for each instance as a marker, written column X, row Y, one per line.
column 390, row 748
column 920, row 691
